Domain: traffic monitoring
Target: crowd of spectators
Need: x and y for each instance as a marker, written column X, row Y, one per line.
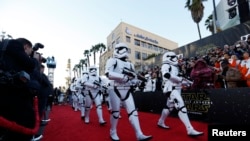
column 219, row 67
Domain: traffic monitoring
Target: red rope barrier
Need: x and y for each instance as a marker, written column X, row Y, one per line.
column 13, row 126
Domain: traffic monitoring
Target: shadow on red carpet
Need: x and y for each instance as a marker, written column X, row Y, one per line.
column 66, row 125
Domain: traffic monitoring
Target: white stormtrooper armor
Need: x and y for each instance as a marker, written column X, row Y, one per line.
column 150, row 85
column 74, row 93
column 93, row 84
column 120, row 73
column 105, row 91
column 78, row 97
column 172, row 88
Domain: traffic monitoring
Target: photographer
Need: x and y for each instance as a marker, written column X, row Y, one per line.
column 43, row 96
column 16, row 100
column 43, row 83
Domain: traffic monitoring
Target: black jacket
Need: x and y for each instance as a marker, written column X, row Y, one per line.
column 15, row 103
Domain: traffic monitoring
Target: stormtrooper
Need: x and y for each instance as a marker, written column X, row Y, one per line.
column 78, row 97
column 150, row 85
column 173, row 83
column 92, row 84
column 122, row 78
column 74, row 97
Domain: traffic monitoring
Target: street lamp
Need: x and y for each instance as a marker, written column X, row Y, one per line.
column 51, row 65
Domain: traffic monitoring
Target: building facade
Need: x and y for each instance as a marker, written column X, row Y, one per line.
column 230, row 13
column 142, row 46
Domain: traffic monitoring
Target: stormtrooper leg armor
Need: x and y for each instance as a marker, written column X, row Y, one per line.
column 88, row 103
column 98, row 104
column 134, row 120
column 75, row 101
column 115, row 112
column 82, row 105
column 133, row 117
column 175, row 100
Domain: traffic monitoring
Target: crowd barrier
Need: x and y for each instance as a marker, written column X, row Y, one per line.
column 212, row 105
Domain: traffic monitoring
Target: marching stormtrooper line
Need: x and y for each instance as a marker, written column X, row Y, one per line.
column 117, row 86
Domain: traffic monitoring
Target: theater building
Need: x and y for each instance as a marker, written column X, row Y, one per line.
column 142, row 46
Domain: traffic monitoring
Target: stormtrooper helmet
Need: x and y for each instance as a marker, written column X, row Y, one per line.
column 147, row 76
column 85, row 73
column 120, row 51
column 170, row 58
column 92, row 71
column 78, row 84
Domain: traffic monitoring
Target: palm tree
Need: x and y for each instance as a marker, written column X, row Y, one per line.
column 78, row 70
column 82, row 63
column 87, row 54
column 75, row 70
column 80, row 67
column 102, row 47
column 209, row 24
column 197, row 11
column 97, row 48
column 94, row 50
column 86, row 63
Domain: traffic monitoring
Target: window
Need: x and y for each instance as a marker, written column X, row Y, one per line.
column 129, row 50
column 109, row 47
column 128, row 39
column 150, row 46
column 137, row 55
column 118, row 40
column 155, row 47
column 143, row 44
column 137, row 42
column 113, row 44
column 161, row 49
column 144, row 56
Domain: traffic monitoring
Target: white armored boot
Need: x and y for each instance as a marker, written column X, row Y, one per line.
column 99, row 113
column 86, row 118
column 190, row 130
column 135, row 123
column 161, row 121
column 82, row 111
column 113, row 132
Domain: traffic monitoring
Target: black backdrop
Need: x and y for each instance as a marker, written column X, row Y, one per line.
column 213, row 105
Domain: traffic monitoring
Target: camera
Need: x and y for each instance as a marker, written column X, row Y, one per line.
column 35, row 48
column 41, row 58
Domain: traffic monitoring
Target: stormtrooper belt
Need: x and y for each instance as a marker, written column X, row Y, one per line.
column 122, row 87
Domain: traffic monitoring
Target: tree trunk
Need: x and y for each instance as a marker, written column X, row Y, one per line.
column 94, row 58
column 88, row 60
column 199, row 30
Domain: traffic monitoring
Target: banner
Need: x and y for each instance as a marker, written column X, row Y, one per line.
column 197, row 103
column 224, row 106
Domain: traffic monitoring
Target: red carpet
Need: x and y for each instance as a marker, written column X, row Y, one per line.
column 66, row 125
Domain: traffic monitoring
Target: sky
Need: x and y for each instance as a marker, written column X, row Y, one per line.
column 68, row 27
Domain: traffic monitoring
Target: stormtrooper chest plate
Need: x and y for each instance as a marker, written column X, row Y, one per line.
column 121, row 65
